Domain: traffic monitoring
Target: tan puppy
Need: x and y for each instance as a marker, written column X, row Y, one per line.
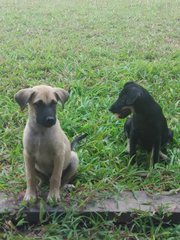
column 47, row 151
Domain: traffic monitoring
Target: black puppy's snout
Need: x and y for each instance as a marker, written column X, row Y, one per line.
column 113, row 108
column 50, row 121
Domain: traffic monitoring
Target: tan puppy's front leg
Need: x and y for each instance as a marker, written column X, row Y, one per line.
column 31, row 192
column 55, row 180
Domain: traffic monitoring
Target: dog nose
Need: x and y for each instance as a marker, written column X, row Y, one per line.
column 50, row 121
column 111, row 108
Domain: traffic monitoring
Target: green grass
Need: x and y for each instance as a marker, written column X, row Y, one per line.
column 92, row 48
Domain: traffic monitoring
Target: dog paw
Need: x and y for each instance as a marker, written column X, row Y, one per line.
column 53, row 197
column 69, row 187
column 163, row 156
column 30, row 196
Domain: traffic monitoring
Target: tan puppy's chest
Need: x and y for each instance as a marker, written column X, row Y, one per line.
column 44, row 156
column 46, row 147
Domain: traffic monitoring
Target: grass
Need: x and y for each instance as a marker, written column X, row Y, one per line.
column 92, row 48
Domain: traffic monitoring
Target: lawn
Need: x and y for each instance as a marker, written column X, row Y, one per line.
column 91, row 47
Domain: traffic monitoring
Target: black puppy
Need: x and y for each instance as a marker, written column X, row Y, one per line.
column 147, row 127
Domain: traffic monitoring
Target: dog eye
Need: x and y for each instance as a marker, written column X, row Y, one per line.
column 39, row 103
column 53, row 102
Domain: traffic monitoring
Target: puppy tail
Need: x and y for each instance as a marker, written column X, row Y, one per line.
column 77, row 139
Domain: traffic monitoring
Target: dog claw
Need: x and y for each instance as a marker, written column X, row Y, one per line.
column 30, row 197
column 53, row 198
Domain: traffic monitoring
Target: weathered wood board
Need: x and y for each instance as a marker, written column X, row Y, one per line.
column 124, row 206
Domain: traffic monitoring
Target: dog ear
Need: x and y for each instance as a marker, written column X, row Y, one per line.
column 61, row 95
column 23, row 96
column 132, row 98
column 128, row 83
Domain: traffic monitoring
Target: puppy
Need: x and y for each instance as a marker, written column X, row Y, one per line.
column 147, row 127
column 47, row 150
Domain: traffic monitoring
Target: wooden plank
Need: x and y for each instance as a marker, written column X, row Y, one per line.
column 125, row 205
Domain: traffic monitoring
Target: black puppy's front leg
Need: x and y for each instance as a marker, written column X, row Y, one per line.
column 156, row 151
column 132, row 146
